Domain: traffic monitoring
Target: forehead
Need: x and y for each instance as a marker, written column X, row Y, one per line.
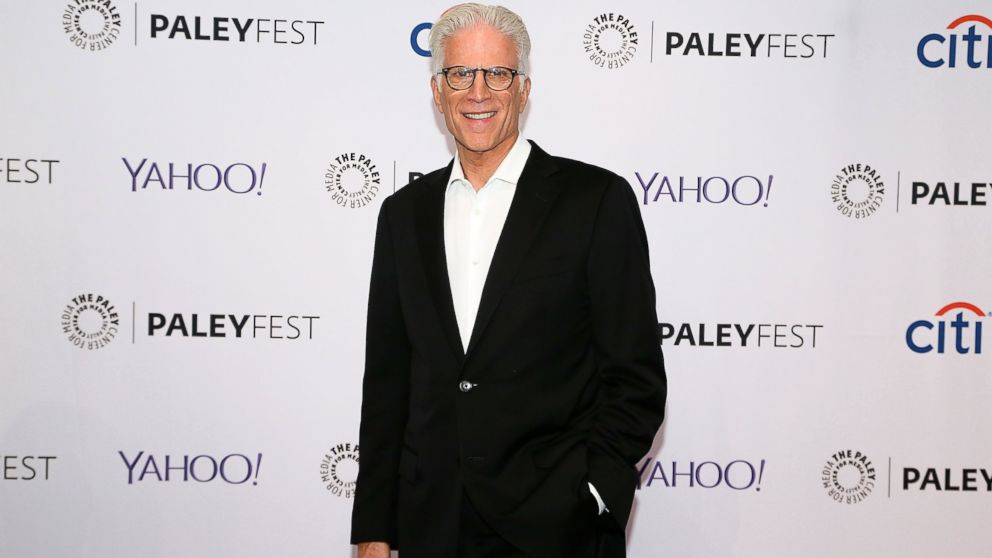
column 480, row 45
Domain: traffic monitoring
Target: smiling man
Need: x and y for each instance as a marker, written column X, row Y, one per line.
column 513, row 376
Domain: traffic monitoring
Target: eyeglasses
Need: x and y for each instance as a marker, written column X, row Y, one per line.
column 498, row 78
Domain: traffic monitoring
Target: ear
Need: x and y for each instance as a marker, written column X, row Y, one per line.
column 436, row 91
column 525, row 94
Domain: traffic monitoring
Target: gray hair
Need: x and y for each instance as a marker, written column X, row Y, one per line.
column 467, row 15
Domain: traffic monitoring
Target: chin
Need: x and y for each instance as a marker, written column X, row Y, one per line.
column 479, row 146
column 482, row 148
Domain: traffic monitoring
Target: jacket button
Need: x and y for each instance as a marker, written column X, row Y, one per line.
column 466, row 386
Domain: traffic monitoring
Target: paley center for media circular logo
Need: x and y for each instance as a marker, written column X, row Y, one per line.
column 339, row 469
column 610, row 40
column 353, row 180
column 848, row 476
column 91, row 24
column 90, row 321
column 857, row 191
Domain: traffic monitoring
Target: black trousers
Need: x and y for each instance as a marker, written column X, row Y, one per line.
column 476, row 539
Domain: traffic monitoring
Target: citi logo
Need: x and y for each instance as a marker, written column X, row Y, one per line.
column 965, row 329
column 946, row 52
column 418, row 38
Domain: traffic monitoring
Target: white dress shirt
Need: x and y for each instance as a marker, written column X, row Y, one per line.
column 473, row 222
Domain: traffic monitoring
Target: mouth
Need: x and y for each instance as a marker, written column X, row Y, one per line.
column 479, row 115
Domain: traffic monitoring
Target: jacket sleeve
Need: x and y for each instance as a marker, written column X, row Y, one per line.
column 385, row 390
column 633, row 387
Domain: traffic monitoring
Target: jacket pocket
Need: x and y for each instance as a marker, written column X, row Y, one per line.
column 551, row 456
column 546, row 268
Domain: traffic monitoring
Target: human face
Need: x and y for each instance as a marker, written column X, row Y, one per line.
column 482, row 121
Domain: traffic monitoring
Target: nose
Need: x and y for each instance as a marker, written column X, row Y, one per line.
column 479, row 91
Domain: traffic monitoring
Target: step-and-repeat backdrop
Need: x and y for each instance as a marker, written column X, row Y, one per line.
column 188, row 195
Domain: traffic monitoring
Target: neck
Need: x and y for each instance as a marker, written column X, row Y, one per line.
column 479, row 167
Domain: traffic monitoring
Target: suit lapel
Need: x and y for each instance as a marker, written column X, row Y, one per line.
column 532, row 200
column 429, row 208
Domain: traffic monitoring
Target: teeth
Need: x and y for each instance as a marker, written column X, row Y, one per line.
column 480, row 115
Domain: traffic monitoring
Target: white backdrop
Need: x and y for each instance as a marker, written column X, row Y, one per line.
column 236, row 436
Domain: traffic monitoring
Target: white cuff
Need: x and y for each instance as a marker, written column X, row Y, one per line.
column 599, row 500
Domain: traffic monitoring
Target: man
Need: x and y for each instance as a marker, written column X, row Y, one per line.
column 513, row 374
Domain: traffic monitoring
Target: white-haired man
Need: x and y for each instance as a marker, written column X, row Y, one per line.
column 513, row 374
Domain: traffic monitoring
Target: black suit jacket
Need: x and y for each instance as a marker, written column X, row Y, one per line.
column 566, row 382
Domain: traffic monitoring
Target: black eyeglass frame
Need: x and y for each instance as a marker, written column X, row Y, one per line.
column 485, row 76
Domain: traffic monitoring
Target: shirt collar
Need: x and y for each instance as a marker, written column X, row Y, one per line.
column 509, row 170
